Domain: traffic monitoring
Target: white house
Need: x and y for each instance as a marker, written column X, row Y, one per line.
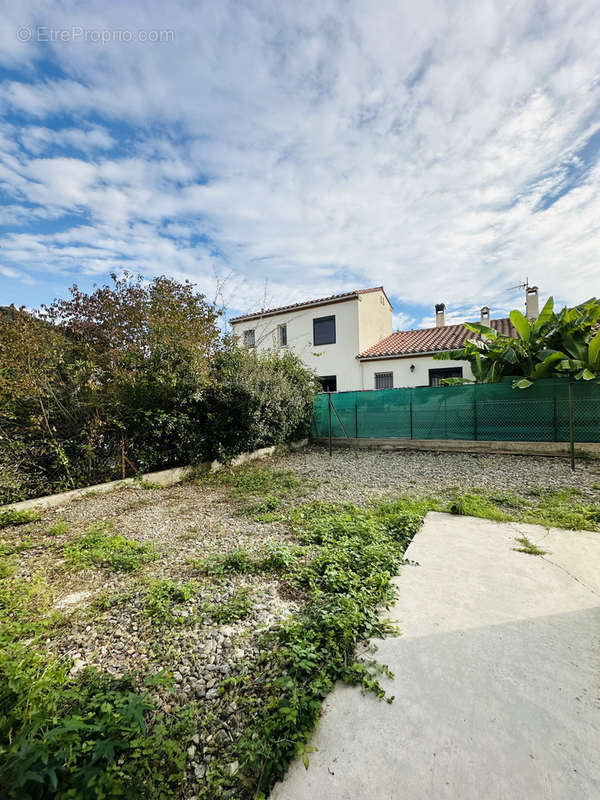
column 327, row 334
column 347, row 340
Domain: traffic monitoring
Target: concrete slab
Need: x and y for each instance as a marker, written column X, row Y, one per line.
column 497, row 681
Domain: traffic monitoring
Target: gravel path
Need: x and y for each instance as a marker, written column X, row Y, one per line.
column 361, row 475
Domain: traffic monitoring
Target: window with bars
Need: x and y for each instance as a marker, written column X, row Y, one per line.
column 282, row 335
column 436, row 376
column 384, row 380
column 249, row 338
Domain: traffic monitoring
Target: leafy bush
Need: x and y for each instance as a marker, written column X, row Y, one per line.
column 98, row 547
column 139, row 363
column 256, row 399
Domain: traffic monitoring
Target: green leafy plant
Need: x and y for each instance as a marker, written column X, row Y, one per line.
column 564, row 343
column 165, row 597
column 99, row 547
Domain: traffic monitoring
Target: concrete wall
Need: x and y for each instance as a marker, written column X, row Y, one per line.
column 166, row 477
column 556, row 449
column 326, row 359
column 400, row 367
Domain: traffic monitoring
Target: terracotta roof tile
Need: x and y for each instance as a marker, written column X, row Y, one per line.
column 430, row 340
column 333, row 298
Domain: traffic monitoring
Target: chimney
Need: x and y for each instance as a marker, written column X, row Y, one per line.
column 440, row 315
column 532, row 309
column 485, row 316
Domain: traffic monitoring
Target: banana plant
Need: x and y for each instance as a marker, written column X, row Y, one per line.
column 566, row 343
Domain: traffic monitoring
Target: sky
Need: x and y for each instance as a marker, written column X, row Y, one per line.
column 276, row 152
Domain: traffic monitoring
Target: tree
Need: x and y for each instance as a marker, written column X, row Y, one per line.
column 565, row 344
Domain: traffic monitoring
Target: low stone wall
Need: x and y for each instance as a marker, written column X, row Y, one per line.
column 166, row 477
column 556, row 449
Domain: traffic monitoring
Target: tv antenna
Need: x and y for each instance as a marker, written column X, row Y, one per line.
column 520, row 285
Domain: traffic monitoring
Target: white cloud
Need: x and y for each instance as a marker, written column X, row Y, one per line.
column 345, row 147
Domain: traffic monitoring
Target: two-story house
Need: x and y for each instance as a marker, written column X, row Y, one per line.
column 327, row 333
column 347, row 340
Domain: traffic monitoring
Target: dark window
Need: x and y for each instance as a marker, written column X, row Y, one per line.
column 324, row 330
column 249, row 338
column 384, row 380
column 436, row 376
column 328, row 383
column 282, row 335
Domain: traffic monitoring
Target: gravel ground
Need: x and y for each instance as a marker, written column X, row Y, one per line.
column 190, row 522
column 360, row 475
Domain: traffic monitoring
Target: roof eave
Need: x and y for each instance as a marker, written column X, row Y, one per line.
column 382, row 356
column 276, row 312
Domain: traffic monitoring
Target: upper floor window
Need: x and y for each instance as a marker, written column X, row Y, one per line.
column 384, row 380
column 249, row 338
column 282, row 335
column 324, row 330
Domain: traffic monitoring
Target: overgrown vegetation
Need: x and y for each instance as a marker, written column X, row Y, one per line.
column 564, row 344
column 12, row 517
column 354, row 554
column 136, row 365
column 101, row 548
column 89, row 737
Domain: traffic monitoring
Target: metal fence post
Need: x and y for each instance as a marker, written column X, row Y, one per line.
column 475, row 431
column 555, row 416
column 571, row 426
column 329, row 409
column 356, row 415
column 411, row 417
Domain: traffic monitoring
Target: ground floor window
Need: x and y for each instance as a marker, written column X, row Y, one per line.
column 436, row 376
column 328, row 383
column 384, row 380
column 249, row 338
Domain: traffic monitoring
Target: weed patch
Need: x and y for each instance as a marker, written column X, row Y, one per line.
column 60, row 528
column 354, row 553
column 164, row 599
column 12, row 517
column 101, row 548
column 251, row 481
column 528, row 547
column 237, row 607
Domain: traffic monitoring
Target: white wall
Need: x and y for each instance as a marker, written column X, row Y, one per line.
column 401, row 370
column 327, row 359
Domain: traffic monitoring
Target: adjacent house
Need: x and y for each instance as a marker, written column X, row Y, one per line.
column 347, row 340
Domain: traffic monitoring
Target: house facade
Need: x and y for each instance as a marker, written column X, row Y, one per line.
column 347, row 340
column 327, row 333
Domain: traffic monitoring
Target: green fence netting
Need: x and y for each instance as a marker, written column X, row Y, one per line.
column 492, row 412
